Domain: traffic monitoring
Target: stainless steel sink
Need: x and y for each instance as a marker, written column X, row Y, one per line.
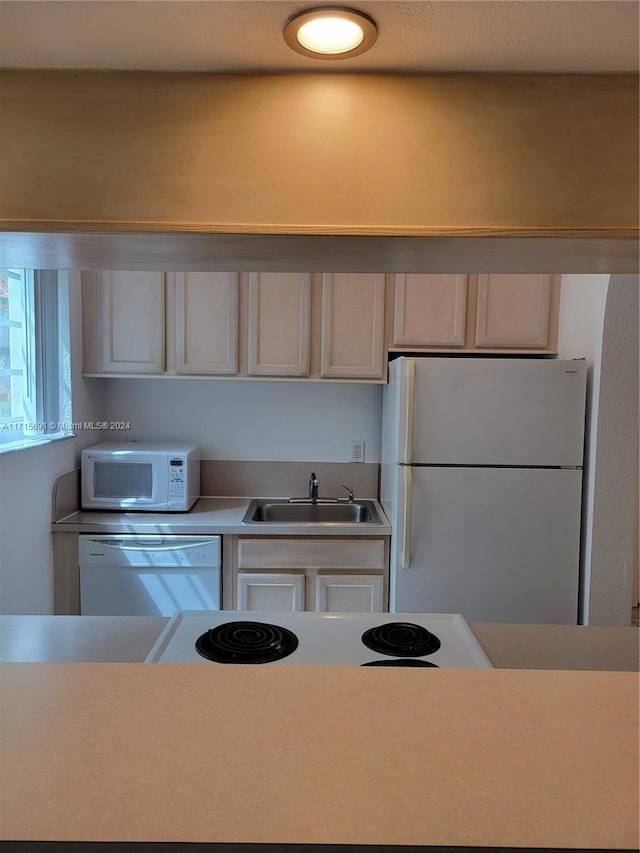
column 305, row 512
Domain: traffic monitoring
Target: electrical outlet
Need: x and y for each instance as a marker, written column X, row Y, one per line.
column 357, row 450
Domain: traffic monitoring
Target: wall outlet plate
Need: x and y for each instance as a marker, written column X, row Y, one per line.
column 357, row 450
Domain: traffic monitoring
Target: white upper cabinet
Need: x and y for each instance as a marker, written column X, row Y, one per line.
column 513, row 311
column 430, row 310
column 207, row 323
column 473, row 313
column 321, row 326
column 279, row 324
column 352, row 342
column 131, row 321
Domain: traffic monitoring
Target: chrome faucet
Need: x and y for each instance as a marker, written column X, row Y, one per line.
column 314, row 485
column 348, row 499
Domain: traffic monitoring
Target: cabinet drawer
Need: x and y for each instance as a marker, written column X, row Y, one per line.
column 311, row 553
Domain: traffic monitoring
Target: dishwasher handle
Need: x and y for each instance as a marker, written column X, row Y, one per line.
column 133, row 543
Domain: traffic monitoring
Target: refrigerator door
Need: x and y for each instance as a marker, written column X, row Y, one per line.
column 481, row 411
column 494, row 544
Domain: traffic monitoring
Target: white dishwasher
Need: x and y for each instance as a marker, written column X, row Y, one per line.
column 148, row 575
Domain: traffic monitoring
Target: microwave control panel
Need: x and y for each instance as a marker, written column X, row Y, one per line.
column 176, row 478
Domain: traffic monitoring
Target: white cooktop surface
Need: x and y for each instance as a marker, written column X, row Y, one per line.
column 323, row 638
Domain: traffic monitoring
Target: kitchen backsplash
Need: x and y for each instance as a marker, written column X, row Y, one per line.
column 287, row 479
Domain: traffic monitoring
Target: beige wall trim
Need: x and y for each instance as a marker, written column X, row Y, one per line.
column 485, row 156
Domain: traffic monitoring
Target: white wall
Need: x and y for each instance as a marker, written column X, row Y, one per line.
column 599, row 320
column 614, row 517
column 582, row 306
column 247, row 420
column 26, row 477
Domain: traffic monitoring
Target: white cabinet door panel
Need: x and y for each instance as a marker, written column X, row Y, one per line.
column 207, row 323
column 513, row 311
column 132, row 321
column 352, row 325
column 279, row 333
column 270, row 592
column 430, row 310
column 349, row 593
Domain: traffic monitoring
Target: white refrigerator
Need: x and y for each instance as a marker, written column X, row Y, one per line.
column 481, row 478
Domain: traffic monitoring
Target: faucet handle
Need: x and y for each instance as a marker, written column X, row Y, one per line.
column 349, row 492
column 314, row 485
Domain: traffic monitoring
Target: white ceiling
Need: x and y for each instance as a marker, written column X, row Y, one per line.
column 581, row 36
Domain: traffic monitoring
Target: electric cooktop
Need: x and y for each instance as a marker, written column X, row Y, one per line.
column 424, row 640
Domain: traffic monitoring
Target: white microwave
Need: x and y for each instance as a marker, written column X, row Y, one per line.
column 151, row 477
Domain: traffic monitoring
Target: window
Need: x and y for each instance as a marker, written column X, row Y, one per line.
column 34, row 356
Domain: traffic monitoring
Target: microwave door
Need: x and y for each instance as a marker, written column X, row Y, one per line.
column 130, row 483
column 114, row 479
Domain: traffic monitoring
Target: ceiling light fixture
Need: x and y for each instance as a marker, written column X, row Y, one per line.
column 330, row 32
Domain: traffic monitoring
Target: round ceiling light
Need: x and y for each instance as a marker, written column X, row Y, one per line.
column 330, row 32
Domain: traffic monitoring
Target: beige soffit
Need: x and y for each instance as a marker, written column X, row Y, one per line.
column 246, row 35
column 336, row 159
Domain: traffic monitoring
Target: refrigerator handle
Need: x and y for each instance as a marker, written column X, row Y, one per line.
column 407, row 450
column 405, row 555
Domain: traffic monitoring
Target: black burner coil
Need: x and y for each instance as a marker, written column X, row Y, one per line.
column 246, row 642
column 403, row 639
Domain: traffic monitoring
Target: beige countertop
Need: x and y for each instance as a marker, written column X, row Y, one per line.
column 208, row 516
column 319, row 755
column 128, row 639
column 96, row 639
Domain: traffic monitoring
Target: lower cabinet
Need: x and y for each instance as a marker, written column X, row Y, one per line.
column 328, row 575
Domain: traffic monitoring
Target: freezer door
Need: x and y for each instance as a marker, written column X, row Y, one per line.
column 496, row 545
column 467, row 411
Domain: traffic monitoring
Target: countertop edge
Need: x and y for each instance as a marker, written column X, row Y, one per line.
column 208, row 517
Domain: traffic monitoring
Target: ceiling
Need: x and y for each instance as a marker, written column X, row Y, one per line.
column 579, row 36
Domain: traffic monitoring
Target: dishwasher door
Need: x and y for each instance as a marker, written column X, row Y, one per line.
column 130, row 575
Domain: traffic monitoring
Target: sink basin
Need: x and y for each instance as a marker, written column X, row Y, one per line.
column 283, row 512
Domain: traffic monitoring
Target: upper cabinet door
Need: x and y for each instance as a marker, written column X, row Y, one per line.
column 514, row 311
column 132, row 321
column 430, row 310
column 207, row 322
column 352, row 343
column 279, row 326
